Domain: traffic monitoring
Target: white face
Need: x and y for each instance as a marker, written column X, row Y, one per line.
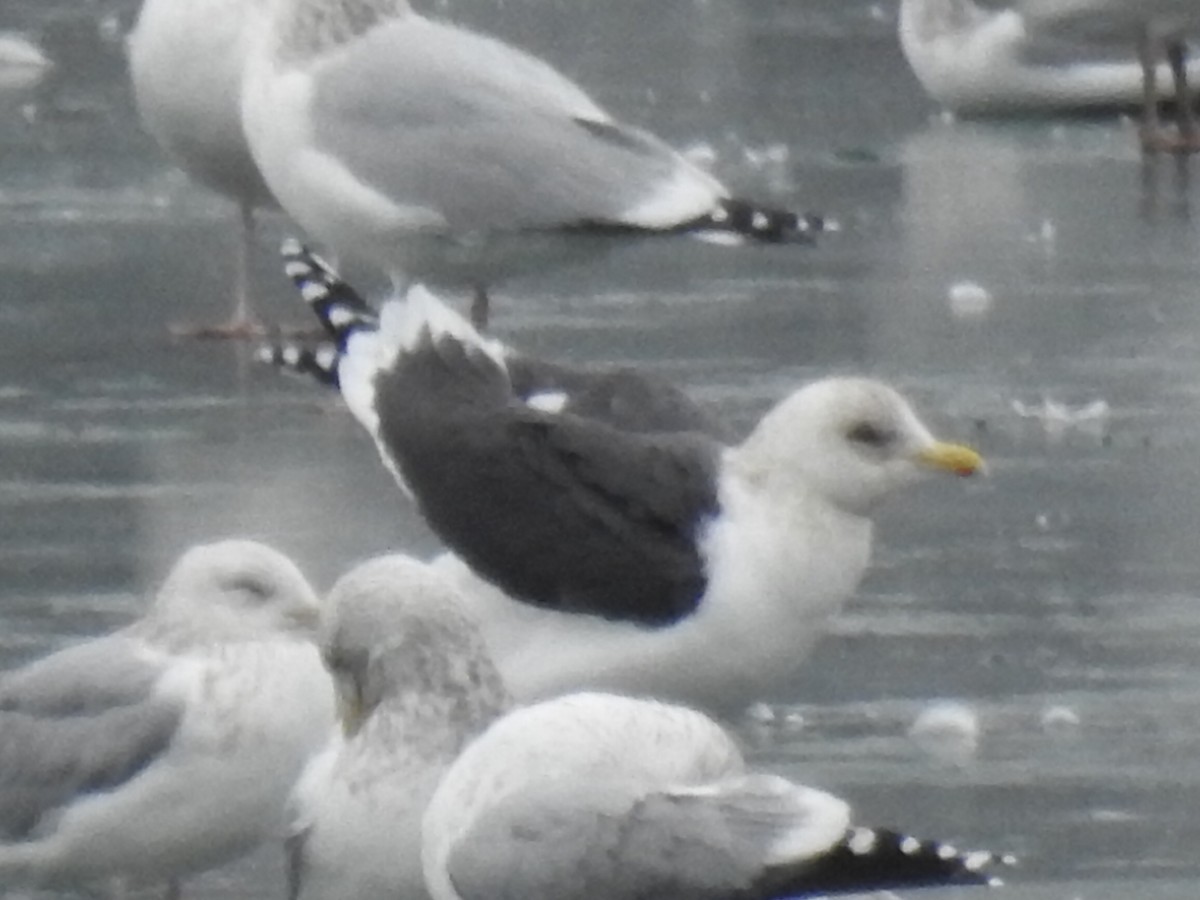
column 235, row 590
column 852, row 440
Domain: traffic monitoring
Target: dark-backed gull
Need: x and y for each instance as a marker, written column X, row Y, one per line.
column 660, row 562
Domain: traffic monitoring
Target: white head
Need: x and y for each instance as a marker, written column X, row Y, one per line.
column 230, row 591
column 850, row 441
column 396, row 634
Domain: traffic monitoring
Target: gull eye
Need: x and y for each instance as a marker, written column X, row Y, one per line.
column 870, row 435
column 250, row 587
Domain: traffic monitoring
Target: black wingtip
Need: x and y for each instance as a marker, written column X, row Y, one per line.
column 874, row 859
column 320, row 362
column 340, row 309
column 760, row 223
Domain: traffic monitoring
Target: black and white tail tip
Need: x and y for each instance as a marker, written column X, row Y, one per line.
column 878, row 859
column 735, row 221
column 320, row 362
column 338, row 306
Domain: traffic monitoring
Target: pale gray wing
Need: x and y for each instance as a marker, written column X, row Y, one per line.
column 81, row 721
column 483, row 134
column 93, row 675
column 600, row 841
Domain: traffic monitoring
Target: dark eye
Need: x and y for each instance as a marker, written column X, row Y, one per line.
column 251, row 587
column 871, row 435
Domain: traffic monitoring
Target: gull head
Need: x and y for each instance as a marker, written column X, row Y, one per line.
column 396, row 636
column 849, row 441
column 233, row 590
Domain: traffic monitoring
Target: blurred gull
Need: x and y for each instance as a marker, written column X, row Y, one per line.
column 1154, row 29
column 168, row 747
column 415, row 685
column 186, row 59
column 22, row 62
column 441, row 154
column 659, row 561
column 611, row 798
column 978, row 60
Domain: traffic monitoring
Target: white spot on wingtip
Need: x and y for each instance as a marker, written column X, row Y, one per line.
column 313, row 291
column 862, row 841
column 326, row 357
column 759, row 221
column 548, row 401
column 910, row 846
column 719, row 215
column 295, row 268
column 976, row 860
column 265, row 354
column 340, row 317
column 290, row 355
column 946, row 851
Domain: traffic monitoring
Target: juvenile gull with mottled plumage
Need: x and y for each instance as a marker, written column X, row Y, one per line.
column 415, row 685
column 441, row 154
column 662, row 562
column 168, row 747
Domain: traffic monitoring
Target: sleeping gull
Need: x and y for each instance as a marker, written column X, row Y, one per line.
column 1158, row 29
column 987, row 60
column 170, row 746
column 445, row 155
column 185, row 62
column 606, row 797
column 660, row 562
column 416, row 685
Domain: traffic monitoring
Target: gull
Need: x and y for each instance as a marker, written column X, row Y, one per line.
column 1158, row 29
column 615, row 798
column 444, row 155
column 168, row 747
column 23, row 63
column 185, row 61
column 415, row 685
column 660, row 562
column 976, row 60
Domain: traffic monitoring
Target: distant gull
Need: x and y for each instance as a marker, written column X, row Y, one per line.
column 415, row 685
column 1153, row 29
column 661, row 562
column 613, row 798
column 22, row 62
column 976, row 60
column 445, row 155
column 185, row 60
column 168, row 747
